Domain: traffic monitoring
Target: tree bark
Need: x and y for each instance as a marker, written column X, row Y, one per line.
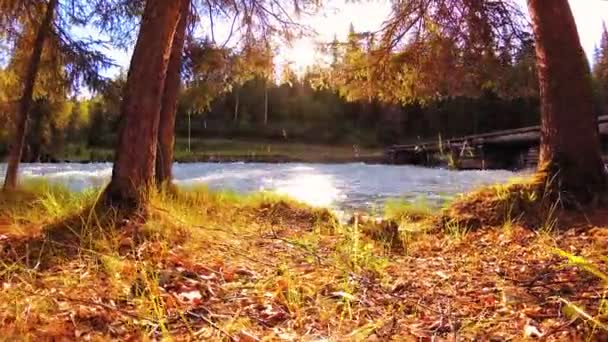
column 570, row 153
column 16, row 149
column 265, row 103
column 166, row 128
column 134, row 164
column 236, row 105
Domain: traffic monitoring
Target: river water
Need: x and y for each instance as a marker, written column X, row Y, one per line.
column 338, row 186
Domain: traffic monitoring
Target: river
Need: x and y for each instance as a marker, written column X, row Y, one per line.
column 338, row 186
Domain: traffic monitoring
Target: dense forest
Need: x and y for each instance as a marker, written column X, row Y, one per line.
column 236, row 94
column 230, row 94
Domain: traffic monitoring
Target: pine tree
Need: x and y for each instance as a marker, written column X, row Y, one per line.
column 166, row 130
column 134, row 165
column 75, row 122
column 31, row 73
column 600, row 72
column 40, row 42
column 570, row 153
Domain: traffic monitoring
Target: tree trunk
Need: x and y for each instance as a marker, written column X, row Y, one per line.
column 16, row 149
column 570, row 153
column 134, row 164
column 189, row 131
column 265, row 103
column 166, row 127
column 236, row 105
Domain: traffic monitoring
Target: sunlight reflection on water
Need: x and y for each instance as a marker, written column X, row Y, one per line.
column 315, row 189
column 339, row 186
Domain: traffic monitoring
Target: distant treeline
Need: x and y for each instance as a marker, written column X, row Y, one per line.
column 296, row 113
column 235, row 96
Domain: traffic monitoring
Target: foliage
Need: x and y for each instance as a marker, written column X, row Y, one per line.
column 431, row 49
column 301, row 113
column 69, row 61
column 217, row 266
column 345, row 102
column 600, row 73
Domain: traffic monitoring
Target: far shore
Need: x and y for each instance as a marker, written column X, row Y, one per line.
column 233, row 150
column 272, row 159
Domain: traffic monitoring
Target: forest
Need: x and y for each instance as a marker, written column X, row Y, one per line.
column 226, row 95
column 153, row 249
column 233, row 93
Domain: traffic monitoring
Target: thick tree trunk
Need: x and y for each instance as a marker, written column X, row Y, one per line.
column 570, row 156
column 16, row 149
column 166, row 127
column 134, row 164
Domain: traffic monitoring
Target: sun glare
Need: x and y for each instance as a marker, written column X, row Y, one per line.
column 301, row 54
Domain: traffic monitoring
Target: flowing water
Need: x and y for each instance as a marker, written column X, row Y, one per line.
column 338, row 186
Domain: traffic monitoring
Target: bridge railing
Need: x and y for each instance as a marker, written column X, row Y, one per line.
column 433, row 144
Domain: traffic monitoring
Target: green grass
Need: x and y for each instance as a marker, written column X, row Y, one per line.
column 225, row 148
column 62, row 243
column 404, row 210
column 240, row 150
column 219, row 266
column 82, row 153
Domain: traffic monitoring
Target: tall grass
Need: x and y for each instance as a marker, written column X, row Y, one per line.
column 572, row 309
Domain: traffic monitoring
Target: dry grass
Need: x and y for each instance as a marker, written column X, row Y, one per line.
column 216, row 266
column 521, row 202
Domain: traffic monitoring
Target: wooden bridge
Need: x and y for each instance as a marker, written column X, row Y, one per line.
column 508, row 149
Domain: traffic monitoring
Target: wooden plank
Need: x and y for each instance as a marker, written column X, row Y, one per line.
column 518, row 135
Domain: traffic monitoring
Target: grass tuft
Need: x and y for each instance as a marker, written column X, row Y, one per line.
column 218, row 266
column 405, row 211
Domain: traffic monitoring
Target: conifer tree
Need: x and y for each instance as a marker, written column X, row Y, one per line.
column 600, row 72
column 35, row 28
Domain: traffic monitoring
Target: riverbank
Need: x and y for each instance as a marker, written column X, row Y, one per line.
column 218, row 266
column 227, row 150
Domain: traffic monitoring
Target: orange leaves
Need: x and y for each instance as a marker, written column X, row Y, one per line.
column 268, row 314
column 492, row 284
column 489, row 301
column 244, row 336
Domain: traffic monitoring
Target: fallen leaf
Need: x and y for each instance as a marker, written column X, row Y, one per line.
column 191, row 296
column 229, row 276
column 531, row 331
column 442, row 275
column 244, row 272
column 246, row 337
column 342, row 295
column 269, row 314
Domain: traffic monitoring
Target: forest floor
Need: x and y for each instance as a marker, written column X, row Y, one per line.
column 216, row 266
column 229, row 150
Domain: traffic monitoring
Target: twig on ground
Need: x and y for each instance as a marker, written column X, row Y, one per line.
column 63, row 298
column 211, row 324
column 298, row 245
column 557, row 329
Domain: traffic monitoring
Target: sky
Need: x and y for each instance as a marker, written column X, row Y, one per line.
column 590, row 16
column 368, row 16
column 337, row 15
